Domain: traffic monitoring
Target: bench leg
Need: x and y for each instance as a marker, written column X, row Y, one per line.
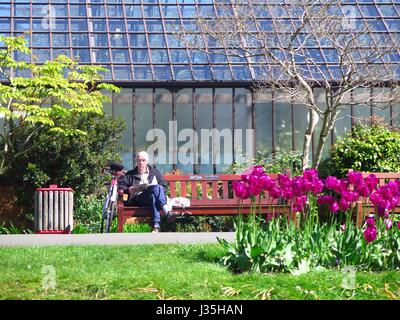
column 121, row 219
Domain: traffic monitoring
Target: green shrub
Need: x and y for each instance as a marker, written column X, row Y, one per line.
column 374, row 148
column 199, row 224
column 137, row 228
column 69, row 161
column 278, row 162
column 11, row 229
column 87, row 214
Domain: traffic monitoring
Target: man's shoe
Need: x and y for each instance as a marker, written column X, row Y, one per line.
column 155, row 230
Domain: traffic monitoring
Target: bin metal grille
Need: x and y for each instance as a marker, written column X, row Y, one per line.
column 54, row 210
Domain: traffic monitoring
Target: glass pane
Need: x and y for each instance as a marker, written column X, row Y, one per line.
column 174, row 41
column 218, row 58
column 182, row 73
column 21, row 10
column 19, row 56
column 163, row 114
column 118, row 40
column 64, row 52
column 78, row 25
column 40, row 40
column 381, row 106
column 154, row 25
column 135, row 25
column 79, row 40
column 41, row 24
column 170, row 11
column 393, row 25
column 156, row 40
column 203, row 101
column 143, row 118
column 376, row 25
column 21, row 73
column 98, row 25
column 142, row 73
column 120, row 55
column 96, row 11
column 241, row 73
column 107, row 73
column 263, row 121
column 202, row 73
column 100, row 56
column 369, row 10
column 223, row 139
column 198, row 57
column 61, row 25
column 5, row 10
column 137, row 40
column 122, row 73
column 40, row 55
column 60, row 10
column 300, row 116
column 221, row 73
column 99, row 40
column 162, row 73
column 114, row 11
column 140, row 55
column 187, row 143
column 283, row 124
column 188, row 11
column 81, row 54
column 387, row 11
column 133, row 11
column 19, row 25
column 159, row 56
column 123, row 110
column 243, row 144
column 77, row 10
column 151, row 11
column 173, row 25
column 179, row 56
column 116, row 25
column 5, row 25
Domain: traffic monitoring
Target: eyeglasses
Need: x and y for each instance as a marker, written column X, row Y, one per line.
column 141, row 160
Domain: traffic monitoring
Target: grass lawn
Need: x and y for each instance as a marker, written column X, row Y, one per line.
column 167, row 272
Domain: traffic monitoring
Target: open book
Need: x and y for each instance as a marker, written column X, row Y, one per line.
column 144, row 186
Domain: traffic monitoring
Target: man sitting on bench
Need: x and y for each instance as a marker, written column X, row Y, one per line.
column 146, row 188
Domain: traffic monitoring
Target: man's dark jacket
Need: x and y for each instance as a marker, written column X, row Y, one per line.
column 132, row 178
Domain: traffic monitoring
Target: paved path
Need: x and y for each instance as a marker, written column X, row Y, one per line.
column 113, row 238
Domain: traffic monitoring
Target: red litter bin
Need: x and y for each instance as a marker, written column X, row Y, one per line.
column 54, row 210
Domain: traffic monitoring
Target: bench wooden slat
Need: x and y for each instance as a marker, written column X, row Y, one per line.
column 215, row 190
column 204, row 193
column 183, row 189
column 225, row 190
column 193, row 186
column 172, row 189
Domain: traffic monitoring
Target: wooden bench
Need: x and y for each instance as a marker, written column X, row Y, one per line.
column 365, row 207
column 213, row 195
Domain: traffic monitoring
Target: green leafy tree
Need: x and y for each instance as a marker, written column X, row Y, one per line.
column 56, row 93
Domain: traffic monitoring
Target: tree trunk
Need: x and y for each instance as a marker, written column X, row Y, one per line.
column 327, row 127
column 312, row 123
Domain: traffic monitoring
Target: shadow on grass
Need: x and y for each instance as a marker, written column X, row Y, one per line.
column 211, row 253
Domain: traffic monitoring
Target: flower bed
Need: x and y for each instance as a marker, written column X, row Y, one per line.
column 264, row 244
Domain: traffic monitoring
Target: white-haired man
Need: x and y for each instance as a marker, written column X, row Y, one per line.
column 153, row 195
